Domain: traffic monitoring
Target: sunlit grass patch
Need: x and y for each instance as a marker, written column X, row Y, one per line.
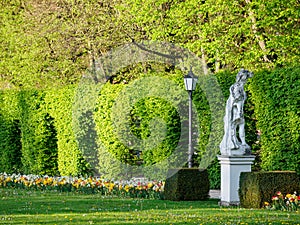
column 50, row 207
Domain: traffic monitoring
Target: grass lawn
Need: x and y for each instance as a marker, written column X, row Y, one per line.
column 36, row 207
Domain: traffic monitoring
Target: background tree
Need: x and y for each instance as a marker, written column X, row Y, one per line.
column 226, row 34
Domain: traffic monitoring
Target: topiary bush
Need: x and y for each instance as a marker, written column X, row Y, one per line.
column 147, row 118
column 70, row 160
column 187, row 184
column 10, row 133
column 38, row 135
column 256, row 188
column 275, row 95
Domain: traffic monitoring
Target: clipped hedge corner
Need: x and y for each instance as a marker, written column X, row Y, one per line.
column 187, row 184
column 259, row 187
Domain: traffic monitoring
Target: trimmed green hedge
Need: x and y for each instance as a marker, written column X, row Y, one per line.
column 48, row 142
column 36, row 133
column 187, row 184
column 256, row 188
column 142, row 114
column 37, row 136
column 69, row 158
column 10, row 133
column 276, row 98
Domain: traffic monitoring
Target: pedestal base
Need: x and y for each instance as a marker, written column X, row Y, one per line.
column 231, row 168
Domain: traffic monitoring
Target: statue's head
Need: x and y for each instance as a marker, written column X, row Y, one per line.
column 243, row 75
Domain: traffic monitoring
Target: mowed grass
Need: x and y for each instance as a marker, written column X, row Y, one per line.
column 36, row 207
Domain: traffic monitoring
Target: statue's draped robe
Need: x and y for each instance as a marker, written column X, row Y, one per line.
column 233, row 117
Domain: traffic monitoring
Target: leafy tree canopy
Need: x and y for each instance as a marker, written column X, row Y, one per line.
column 52, row 42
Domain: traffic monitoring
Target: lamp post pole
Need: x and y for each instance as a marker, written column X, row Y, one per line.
column 190, row 148
column 190, row 82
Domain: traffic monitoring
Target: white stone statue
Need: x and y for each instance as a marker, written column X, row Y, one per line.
column 234, row 122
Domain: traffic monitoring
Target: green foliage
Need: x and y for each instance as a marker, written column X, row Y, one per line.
column 28, row 136
column 187, row 184
column 108, row 141
column 36, row 133
column 225, row 34
column 69, row 158
column 278, row 24
column 275, row 95
column 49, row 43
column 12, row 43
column 146, row 110
column 39, row 143
column 153, row 124
column 10, row 134
column 256, row 188
column 214, row 174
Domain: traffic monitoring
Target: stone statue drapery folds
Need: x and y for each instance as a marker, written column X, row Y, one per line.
column 233, row 142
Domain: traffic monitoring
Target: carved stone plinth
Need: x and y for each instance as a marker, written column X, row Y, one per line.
column 231, row 168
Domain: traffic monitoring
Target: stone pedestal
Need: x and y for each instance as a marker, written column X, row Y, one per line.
column 231, row 168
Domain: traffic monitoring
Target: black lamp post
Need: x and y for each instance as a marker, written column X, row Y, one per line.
column 190, row 82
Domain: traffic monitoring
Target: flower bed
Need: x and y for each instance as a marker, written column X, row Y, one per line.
column 132, row 188
column 289, row 202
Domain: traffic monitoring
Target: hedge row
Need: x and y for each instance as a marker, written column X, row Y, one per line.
column 276, row 97
column 257, row 188
column 37, row 134
column 10, row 132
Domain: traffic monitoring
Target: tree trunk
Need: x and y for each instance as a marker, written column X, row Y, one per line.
column 204, row 63
column 259, row 38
